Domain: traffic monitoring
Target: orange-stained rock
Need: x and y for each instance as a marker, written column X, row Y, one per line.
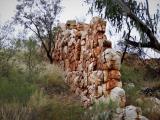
column 97, row 51
column 74, row 66
column 115, row 64
column 105, row 66
column 111, row 83
column 99, row 65
column 114, row 74
column 77, row 51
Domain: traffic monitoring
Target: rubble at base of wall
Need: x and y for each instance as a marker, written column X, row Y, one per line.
column 92, row 67
column 129, row 113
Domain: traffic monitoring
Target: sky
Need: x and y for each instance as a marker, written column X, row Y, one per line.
column 72, row 9
column 7, row 9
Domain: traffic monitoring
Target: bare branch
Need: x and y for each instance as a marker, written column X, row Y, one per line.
column 149, row 17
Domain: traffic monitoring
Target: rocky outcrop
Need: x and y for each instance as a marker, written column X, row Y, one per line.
column 92, row 66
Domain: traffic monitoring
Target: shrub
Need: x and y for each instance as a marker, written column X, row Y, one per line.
column 131, row 74
column 15, row 91
column 55, row 108
column 52, row 79
column 101, row 111
column 150, row 108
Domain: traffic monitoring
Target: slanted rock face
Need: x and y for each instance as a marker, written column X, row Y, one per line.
column 92, row 66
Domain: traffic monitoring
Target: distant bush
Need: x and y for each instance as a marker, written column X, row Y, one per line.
column 131, row 74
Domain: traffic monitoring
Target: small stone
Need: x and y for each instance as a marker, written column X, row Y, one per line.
column 132, row 113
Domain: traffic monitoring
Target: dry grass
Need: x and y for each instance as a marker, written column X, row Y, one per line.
column 152, row 84
column 46, row 97
column 134, row 95
column 15, row 111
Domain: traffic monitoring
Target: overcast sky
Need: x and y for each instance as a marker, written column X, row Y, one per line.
column 73, row 9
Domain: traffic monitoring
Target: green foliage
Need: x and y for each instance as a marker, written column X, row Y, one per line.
column 41, row 107
column 31, row 58
column 40, row 20
column 31, row 89
column 5, row 55
column 131, row 74
column 141, row 77
column 52, row 74
column 14, row 87
column 132, row 93
column 113, row 11
column 151, row 72
column 116, row 11
column 38, row 99
column 135, row 15
column 101, row 111
column 25, row 99
column 149, row 108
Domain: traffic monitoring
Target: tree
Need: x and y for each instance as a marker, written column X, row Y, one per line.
column 31, row 58
column 39, row 16
column 8, row 47
column 135, row 14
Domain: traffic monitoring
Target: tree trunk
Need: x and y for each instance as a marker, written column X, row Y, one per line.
column 50, row 57
column 154, row 43
column 124, row 53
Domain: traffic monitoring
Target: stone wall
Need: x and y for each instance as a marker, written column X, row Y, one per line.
column 92, row 66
